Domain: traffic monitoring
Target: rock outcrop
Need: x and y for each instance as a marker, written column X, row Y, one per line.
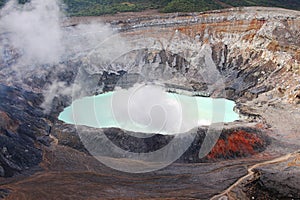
column 23, row 128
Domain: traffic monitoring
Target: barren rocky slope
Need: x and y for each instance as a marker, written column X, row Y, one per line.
column 250, row 55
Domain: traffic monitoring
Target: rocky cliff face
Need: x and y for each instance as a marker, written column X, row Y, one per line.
column 251, row 50
column 247, row 49
column 250, row 55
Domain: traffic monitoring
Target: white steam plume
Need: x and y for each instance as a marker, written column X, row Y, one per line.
column 34, row 28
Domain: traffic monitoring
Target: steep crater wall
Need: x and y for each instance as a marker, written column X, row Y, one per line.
column 237, row 54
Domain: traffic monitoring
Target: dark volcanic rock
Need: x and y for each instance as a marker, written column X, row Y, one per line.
column 141, row 144
column 4, row 193
column 67, row 135
column 234, row 142
column 18, row 153
column 22, row 124
column 279, row 180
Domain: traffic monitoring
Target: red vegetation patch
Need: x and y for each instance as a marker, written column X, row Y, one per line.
column 238, row 143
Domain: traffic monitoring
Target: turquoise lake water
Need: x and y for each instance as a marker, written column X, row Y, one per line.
column 148, row 109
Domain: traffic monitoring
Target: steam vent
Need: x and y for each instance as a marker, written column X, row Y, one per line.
column 149, row 105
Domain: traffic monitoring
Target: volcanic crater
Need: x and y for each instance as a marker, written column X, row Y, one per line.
column 248, row 55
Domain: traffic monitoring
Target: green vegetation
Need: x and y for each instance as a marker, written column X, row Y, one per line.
column 190, row 6
column 204, row 5
column 291, row 4
column 100, row 7
column 2, row 2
